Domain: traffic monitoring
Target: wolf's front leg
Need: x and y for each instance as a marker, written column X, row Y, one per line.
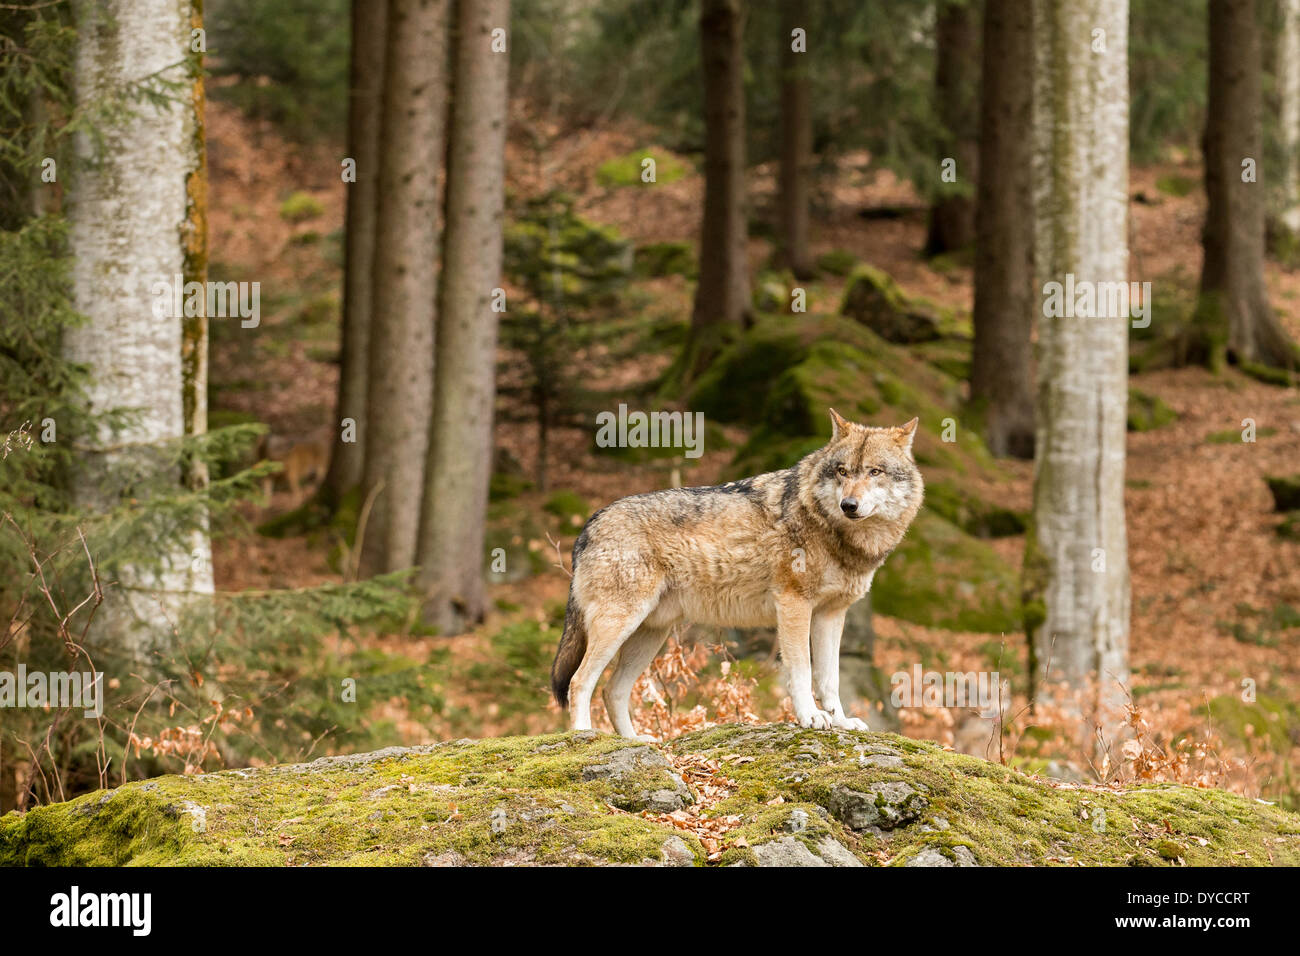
column 793, row 616
column 827, row 627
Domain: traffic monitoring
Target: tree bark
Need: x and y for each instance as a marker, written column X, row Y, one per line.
column 347, row 459
column 399, row 393
column 1001, row 368
column 454, row 520
column 957, row 83
column 1233, row 293
column 722, row 294
column 796, row 146
column 136, row 209
column 1078, row 556
column 1288, row 83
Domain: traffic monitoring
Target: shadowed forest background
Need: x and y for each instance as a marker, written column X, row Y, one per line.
column 807, row 233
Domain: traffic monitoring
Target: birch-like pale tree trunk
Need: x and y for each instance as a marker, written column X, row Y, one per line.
column 1079, row 555
column 407, row 233
column 137, row 217
column 1288, row 84
column 347, row 458
column 454, row 519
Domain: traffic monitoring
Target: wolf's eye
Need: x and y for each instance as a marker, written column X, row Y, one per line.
column 842, row 471
column 875, row 471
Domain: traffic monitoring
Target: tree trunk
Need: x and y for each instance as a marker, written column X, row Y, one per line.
column 1077, row 565
column 137, row 205
column 1288, row 83
column 722, row 294
column 796, row 146
column 957, row 83
column 454, row 520
column 399, row 393
column 1232, row 276
column 1001, row 369
column 347, row 459
column 194, row 329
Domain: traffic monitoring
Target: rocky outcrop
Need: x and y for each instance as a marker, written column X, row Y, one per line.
column 734, row 795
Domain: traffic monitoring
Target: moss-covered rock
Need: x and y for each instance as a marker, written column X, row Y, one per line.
column 874, row 299
column 939, row 576
column 630, row 169
column 972, row 514
column 657, row 259
column 1285, row 490
column 1147, row 412
column 803, row 366
column 780, row 377
column 788, row 796
column 836, row 262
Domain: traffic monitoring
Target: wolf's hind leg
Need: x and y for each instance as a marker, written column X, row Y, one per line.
column 606, row 634
column 827, row 628
column 634, row 657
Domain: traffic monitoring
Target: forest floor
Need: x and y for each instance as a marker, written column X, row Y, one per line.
column 1211, row 579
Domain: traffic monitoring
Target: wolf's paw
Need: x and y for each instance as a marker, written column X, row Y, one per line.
column 647, row 738
column 850, row 723
column 816, row 720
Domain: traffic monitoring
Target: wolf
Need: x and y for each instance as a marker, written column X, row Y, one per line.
column 790, row 549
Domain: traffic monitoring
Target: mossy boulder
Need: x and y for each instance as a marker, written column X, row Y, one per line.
column 785, row 797
column 874, row 299
column 780, row 377
column 1285, row 490
column 939, row 576
column 630, row 169
column 836, row 262
column 972, row 514
column 657, row 259
column 1147, row 412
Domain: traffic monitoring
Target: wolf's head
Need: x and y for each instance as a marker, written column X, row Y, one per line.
column 867, row 472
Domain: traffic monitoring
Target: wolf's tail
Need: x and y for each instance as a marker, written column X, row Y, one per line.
column 573, row 646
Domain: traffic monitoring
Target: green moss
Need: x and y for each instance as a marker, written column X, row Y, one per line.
column 874, row 299
column 536, row 800
column 1175, row 185
column 301, row 206
column 566, row 505
column 803, row 367
column 505, row 485
column 971, row 514
column 626, row 170
column 1232, row 436
column 1147, row 412
column 1268, row 722
column 941, row 577
column 1284, row 378
column 837, row 262
column 1285, row 490
column 665, row 259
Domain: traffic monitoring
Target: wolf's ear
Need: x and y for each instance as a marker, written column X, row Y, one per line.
column 904, row 434
column 838, row 425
